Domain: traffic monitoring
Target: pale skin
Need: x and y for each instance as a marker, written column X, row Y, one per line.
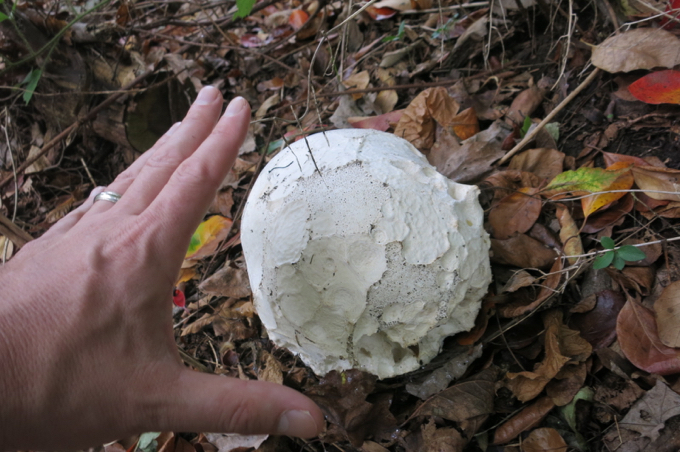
column 87, row 352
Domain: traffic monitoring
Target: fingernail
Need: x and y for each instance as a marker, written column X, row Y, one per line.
column 235, row 106
column 173, row 129
column 207, row 95
column 297, row 423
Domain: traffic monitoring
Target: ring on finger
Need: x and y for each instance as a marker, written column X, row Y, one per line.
column 110, row 196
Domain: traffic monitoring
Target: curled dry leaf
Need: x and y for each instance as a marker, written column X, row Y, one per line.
column 569, row 234
column 515, row 213
column 667, row 308
column 600, row 220
column 462, row 401
column 543, row 162
column 518, row 280
column 522, row 251
column 598, row 326
column 417, row 124
column 382, row 122
column 504, row 183
column 526, row 419
column 525, row 104
column 543, row 439
column 640, row 48
column 464, row 124
column 441, row 439
column 227, row 282
column 639, row 340
column 567, row 383
column 548, row 286
column 653, row 180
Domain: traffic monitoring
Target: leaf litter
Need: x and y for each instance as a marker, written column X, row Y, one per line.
column 563, row 355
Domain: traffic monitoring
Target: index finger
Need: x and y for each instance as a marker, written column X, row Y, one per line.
column 193, row 185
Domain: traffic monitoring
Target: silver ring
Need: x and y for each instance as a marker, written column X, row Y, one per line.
column 110, row 196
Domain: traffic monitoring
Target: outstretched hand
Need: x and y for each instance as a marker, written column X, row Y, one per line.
column 86, row 342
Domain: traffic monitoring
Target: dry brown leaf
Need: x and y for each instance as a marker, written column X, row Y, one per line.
column 667, row 308
column 522, row 251
column 359, row 80
column 544, row 162
column 639, row 340
column 544, row 439
column 267, row 104
column 519, row 307
column 518, row 280
column 61, row 210
column 568, row 381
column 527, row 385
column 386, row 100
column 598, row 326
column 417, row 124
column 515, row 213
column 269, row 369
column 526, row 419
column 569, row 235
column 465, row 400
column 504, row 183
column 441, row 439
column 640, row 48
column 649, row 414
column 652, row 179
column 524, row 104
column 227, row 282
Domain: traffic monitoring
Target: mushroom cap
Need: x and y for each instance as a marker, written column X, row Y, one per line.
column 361, row 255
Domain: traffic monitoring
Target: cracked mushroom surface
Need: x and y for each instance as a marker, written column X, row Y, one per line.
column 363, row 256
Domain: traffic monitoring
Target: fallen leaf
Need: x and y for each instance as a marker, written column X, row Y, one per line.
column 207, row 237
column 610, row 158
column 382, row 122
column 610, row 216
column 269, row 369
column 359, row 80
column 649, row 414
column 567, row 383
column 616, row 190
column 515, row 213
column 227, row 442
column 227, row 282
column 503, row 183
column 464, row 124
column 267, row 104
column 470, row 160
column 639, row 48
column 380, row 13
column 569, row 235
column 417, row 124
column 386, row 100
column 544, row 162
column 441, row 439
column 653, row 180
column 548, row 286
column 518, row 280
column 639, row 340
column 522, row 251
column 525, row 104
column 544, row 439
column 667, row 308
column 297, row 18
column 526, row 419
column 598, row 326
column 660, row 87
column 465, row 400
column 178, row 298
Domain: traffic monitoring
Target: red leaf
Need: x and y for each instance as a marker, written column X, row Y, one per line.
column 672, row 8
column 380, row 13
column 661, row 87
column 178, row 298
column 297, row 19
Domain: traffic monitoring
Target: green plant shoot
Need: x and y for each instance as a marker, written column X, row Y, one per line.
column 617, row 257
column 243, row 8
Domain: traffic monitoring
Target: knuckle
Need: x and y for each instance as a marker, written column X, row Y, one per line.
column 195, row 172
column 241, row 418
column 164, row 160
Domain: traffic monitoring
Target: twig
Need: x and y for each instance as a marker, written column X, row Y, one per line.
column 67, row 131
column 595, row 253
column 444, row 8
column 530, row 136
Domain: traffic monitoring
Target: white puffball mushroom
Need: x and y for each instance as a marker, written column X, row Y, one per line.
column 361, row 255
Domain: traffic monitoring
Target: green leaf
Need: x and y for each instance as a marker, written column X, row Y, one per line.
column 553, row 129
column 608, row 243
column 583, row 180
column 31, row 81
column 243, row 8
column 400, row 34
column 569, row 410
column 208, row 235
column 603, row 261
column 147, row 442
column 631, row 253
column 3, row 17
column 618, row 262
column 526, row 126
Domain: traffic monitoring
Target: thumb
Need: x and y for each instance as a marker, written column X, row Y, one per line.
column 211, row 403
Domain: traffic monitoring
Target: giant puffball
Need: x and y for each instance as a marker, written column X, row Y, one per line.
column 361, row 255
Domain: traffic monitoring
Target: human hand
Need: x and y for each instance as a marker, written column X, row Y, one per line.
column 86, row 342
